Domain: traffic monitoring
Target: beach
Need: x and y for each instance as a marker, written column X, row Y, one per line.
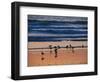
column 39, row 53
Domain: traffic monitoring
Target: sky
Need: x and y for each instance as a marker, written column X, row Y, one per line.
column 56, row 28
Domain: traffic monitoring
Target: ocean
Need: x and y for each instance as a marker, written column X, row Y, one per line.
column 56, row 28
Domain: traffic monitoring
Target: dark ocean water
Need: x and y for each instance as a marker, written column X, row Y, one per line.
column 53, row 30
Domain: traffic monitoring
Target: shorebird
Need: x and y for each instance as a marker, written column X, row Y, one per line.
column 50, row 46
column 56, row 51
column 66, row 46
column 42, row 58
column 42, row 53
column 72, row 49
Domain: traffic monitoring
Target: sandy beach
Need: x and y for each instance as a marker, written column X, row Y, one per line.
column 65, row 56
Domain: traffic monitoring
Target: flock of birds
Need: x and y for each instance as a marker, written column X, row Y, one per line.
column 56, row 48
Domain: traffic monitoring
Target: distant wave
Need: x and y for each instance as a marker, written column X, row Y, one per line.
column 31, row 39
column 56, row 18
column 58, row 26
column 54, row 35
column 34, row 22
column 59, row 31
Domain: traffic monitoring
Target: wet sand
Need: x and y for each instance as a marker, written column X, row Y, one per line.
column 60, row 43
column 64, row 56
